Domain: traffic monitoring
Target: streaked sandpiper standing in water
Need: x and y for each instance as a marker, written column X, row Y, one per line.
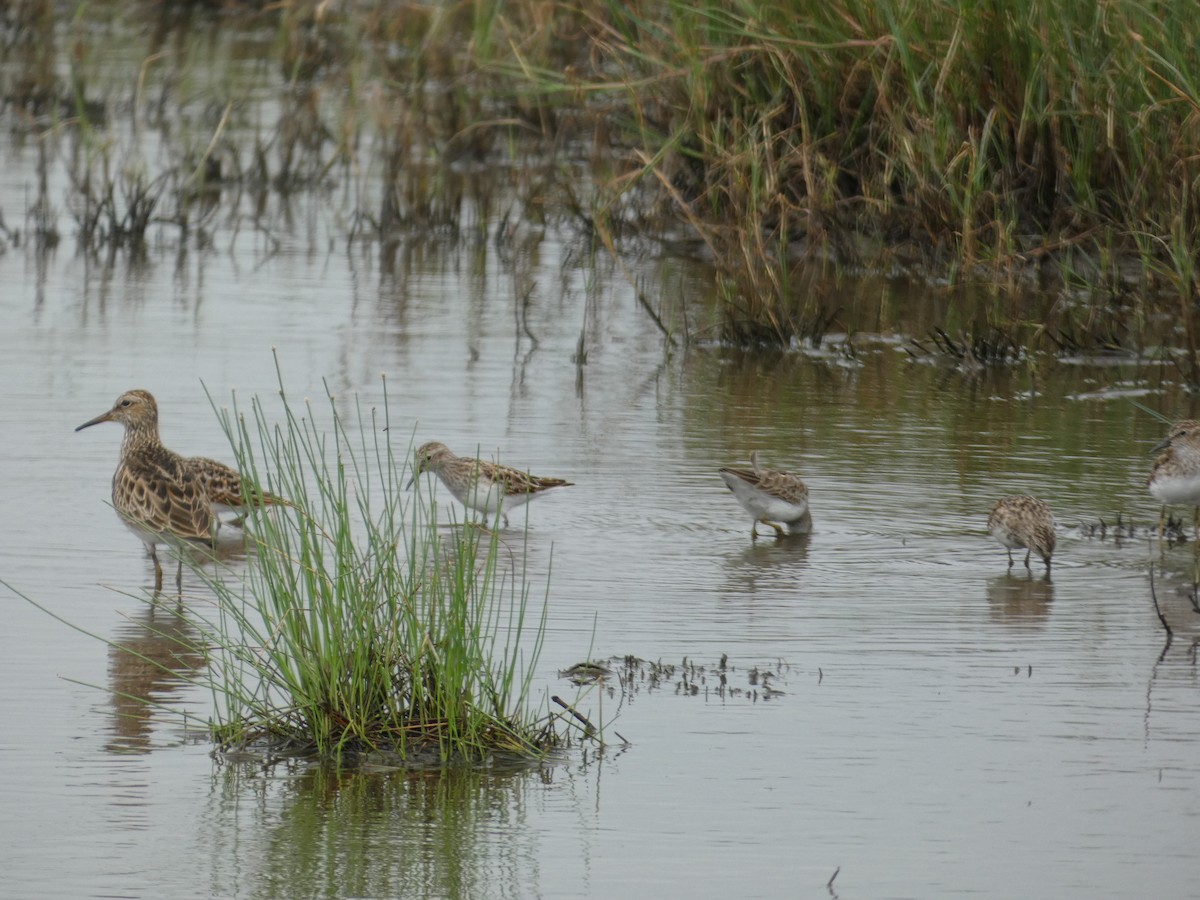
column 771, row 497
column 483, row 486
column 162, row 497
column 1023, row 522
column 1175, row 476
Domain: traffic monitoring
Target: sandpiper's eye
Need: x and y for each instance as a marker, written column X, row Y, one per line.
column 126, row 402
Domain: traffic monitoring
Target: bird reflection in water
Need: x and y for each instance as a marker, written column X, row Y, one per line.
column 1020, row 600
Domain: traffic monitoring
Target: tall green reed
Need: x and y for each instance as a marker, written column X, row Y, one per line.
column 361, row 625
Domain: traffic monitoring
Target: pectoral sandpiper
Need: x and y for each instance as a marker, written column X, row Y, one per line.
column 1023, row 522
column 1175, row 477
column 772, row 498
column 162, row 497
column 481, row 485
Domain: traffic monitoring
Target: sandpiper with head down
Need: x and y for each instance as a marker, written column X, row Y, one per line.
column 771, row 497
column 162, row 497
column 1022, row 522
column 486, row 487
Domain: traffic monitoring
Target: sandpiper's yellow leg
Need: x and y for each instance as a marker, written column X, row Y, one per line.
column 157, row 570
column 779, row 532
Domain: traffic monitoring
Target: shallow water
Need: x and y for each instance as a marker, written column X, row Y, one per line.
column 946, row 725
column 942, row 724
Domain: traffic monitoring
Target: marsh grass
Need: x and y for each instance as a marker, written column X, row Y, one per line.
column 1022, row 141
column 362, row 628
column 979, row 140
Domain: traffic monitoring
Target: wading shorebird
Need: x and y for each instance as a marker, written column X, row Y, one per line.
column 1175, row 477
column 772, row 498
column 1023, row 522
column 481, row 485
column 162, row 497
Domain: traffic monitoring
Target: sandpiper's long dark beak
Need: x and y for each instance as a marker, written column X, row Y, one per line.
column 103, row 417
column 416, row 474
column 1157, row 448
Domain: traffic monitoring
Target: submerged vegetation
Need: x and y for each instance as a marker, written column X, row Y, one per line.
column 1031, row 142
column 361, row 629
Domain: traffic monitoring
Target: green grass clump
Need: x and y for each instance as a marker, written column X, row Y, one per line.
column 361, row 627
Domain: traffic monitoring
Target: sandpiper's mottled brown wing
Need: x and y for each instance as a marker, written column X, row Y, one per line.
column 518, row 482
column 786, row 487
column 1038, row 521
column 222, row 484
column 156, row 491
column 1043, row 538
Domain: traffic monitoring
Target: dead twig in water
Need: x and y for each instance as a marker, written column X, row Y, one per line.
column 589, row 730
column 1154, row 596
column 1165, row 625
column 829, row 883
column 645, row 304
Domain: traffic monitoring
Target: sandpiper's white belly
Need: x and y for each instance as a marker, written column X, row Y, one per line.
column 483, row 496
column 1176, row 489
column 145, row 535
column 1006, row 537
column 762, row 505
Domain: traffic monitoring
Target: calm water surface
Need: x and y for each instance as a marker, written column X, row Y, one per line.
column 944, row 726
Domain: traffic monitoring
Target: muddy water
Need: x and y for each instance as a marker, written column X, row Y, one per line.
column 941, row 724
